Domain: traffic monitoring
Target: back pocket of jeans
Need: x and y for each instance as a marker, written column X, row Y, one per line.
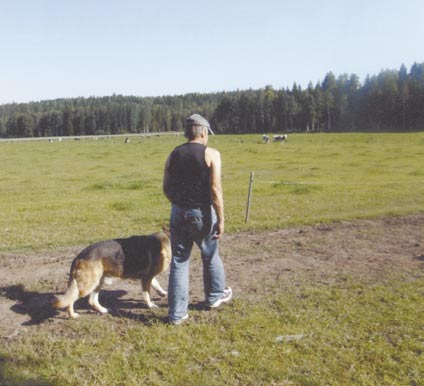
column 194, row 226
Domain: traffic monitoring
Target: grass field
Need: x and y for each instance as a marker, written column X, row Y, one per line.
column 74, row 192
column 339, row 335
column 345, row 332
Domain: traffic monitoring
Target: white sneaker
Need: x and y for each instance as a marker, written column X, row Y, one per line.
column 179, row 321
column 226, row 297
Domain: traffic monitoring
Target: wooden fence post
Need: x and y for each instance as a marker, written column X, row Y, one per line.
column 249, row 197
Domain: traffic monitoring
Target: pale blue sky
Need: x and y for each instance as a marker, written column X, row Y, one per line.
column 56, row 48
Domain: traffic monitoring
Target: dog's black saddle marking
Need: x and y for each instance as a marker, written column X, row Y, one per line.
column 138, row 252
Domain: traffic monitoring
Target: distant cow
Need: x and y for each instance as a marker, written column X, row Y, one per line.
column 279, row 138
column 265, row 138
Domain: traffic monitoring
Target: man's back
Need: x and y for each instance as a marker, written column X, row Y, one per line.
column 189, row 176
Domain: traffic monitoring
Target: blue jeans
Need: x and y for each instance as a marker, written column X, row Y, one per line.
column 190, row 226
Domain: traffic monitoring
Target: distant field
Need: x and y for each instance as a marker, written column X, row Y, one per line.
column 74, row 192
column 333, row 304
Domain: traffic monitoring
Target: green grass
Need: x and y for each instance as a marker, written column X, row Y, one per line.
column 346, row 332
column 74, row 192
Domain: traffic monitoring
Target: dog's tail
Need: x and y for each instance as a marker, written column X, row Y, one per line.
column 69, row 297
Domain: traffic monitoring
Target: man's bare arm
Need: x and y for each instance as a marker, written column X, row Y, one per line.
column 213, row 158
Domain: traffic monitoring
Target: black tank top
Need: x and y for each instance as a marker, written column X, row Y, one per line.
column 190, row 176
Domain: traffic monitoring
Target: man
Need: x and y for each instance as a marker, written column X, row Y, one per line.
column 192, row 182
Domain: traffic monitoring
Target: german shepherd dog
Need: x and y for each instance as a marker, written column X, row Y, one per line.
column 136, row 257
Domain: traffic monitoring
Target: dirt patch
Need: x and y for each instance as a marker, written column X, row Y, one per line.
column 370, row 250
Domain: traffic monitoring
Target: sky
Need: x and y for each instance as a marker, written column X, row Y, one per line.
column 53, row 49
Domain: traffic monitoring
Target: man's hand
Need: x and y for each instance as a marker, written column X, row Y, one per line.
column 219, row 230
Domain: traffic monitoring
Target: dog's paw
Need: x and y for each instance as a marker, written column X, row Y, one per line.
column 74, row 315
column 152, row 305
column 108, row 280
column 162, row 293
column 102, row 310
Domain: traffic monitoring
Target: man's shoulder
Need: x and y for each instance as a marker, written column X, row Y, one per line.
column 212, row 151
column 189, row 146
column 178, row 149
column 212, row 156
column 180, row 146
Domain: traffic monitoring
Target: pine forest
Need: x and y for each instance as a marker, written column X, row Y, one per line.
column 392, row 100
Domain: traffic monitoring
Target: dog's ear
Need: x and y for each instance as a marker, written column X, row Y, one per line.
column 166, row 229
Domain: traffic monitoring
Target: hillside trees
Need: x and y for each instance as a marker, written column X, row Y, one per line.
column 392, row 100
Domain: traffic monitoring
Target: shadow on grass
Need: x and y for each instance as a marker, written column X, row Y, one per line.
column 34, row 304
column 420, row 258
column 38, row 305
column 8, row 378
column 127, row 308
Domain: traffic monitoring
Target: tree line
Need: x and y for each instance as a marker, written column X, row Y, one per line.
column 392, row 100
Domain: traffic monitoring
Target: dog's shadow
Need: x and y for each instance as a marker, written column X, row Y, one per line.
column 126, row 308
column 38, row 305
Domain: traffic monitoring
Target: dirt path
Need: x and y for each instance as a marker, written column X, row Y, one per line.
column 371, row 250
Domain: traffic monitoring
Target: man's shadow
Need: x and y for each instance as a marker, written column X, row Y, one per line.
column 38, row 305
